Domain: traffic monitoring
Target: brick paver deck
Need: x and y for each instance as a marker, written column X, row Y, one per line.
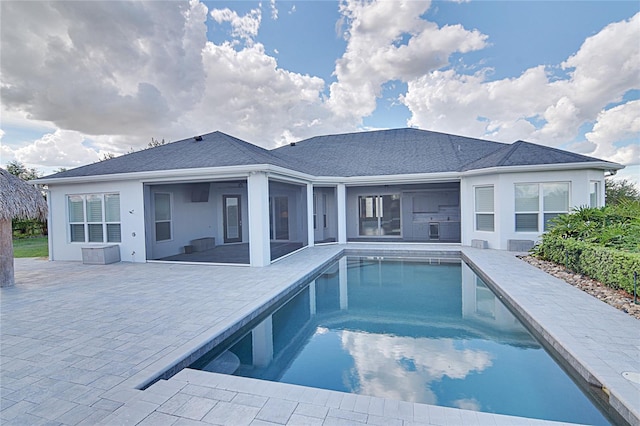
column 78, row 341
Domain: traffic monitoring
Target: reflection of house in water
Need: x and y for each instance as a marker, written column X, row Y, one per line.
column 381, row 297
column 481, row 306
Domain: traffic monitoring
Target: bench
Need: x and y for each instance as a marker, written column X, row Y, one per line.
column 101, row 255
column 520, row 245
column 202, row 244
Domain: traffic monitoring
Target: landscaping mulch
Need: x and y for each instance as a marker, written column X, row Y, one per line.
column 619, row 299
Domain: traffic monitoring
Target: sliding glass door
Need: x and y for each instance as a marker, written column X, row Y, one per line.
column 379, row 215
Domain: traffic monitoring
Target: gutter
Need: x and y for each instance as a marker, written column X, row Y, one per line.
column 282, row 173
column 604, row 165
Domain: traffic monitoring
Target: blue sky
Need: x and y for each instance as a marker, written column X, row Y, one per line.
column 80, row 79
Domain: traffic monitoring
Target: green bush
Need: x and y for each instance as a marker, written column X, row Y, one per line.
column 602, row 243
column 612, row 226
column 610, row 266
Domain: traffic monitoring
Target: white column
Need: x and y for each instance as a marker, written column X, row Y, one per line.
column 258, row 206
column 312, row 298
column 342, row 277
column 262, row 339
column 310, row 230
column 468, row 283
column 341, row 201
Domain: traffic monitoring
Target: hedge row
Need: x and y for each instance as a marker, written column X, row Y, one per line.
column 612, row 267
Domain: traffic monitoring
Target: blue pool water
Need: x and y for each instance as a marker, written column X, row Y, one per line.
column 408, row 330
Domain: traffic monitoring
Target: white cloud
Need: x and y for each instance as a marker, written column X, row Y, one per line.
column 403, row 368
column 606, row 66
column 621, row 123
column 119, row 73
column 390, row 41
column 63, row 148
column 468, row 404
column 245, row 27
column 102, row 67
column 252, row 98
column 274, row 9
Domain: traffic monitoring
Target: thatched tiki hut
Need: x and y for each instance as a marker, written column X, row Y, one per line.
column 18, row 200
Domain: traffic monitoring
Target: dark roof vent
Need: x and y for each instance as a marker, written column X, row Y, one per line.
column 292, row 144
column 198, row 138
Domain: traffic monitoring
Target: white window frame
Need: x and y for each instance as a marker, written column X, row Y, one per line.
column 315, row 211
column 541, row 211
column 156, row 221
column 85, row 220
column 594, row 191
column 487, row 212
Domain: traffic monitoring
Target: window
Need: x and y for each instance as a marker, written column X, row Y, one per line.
column 162, row 209
column 534, row 212
column 94, row 218
column 594, row 194
column 379, row 215
column 484, row 208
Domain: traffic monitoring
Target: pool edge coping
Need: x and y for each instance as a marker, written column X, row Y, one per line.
column 186, row 354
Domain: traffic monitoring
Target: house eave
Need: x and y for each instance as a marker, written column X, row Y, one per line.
column 598, row 165
column 177, row 175
column 282, row 173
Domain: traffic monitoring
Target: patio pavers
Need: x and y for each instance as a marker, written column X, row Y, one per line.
column 77, row 340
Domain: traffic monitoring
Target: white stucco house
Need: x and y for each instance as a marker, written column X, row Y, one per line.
column 215, row 198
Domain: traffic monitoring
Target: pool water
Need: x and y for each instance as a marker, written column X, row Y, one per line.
column 408, row 330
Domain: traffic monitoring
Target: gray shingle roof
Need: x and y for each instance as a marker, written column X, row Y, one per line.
column 386, row 152
column 523, row 153
column 382, row 152
column 216, row 149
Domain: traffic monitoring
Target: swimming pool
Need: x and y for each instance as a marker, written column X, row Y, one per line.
column 407, row 329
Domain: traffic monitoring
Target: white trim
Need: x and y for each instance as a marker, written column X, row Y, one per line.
column 599, row 165
column 341, row 204
column 311, row 231
column 205, row 173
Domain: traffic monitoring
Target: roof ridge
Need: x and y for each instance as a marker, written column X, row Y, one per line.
column 248, row 148
column 511, row 149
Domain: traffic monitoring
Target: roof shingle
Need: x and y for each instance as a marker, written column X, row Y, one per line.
column 382, row 152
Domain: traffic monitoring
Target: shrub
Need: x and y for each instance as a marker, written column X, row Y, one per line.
column 612, row 226
column 603, row 243
column 612, row 267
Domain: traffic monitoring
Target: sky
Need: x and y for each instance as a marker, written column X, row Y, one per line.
column 80, row 79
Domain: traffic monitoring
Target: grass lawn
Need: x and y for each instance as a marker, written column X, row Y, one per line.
column 30, row 247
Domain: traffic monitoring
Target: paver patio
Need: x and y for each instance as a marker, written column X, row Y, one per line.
column 78, row 341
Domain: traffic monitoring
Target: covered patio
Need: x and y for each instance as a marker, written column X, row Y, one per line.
column 232, row 253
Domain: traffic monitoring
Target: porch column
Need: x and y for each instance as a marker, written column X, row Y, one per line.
column 262, row 343
column 258, row 205
column 342, row 279
column 312, row 298
column 310, row 229
column 341, row 201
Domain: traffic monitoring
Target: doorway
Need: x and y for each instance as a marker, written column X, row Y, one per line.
column 232, row 219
